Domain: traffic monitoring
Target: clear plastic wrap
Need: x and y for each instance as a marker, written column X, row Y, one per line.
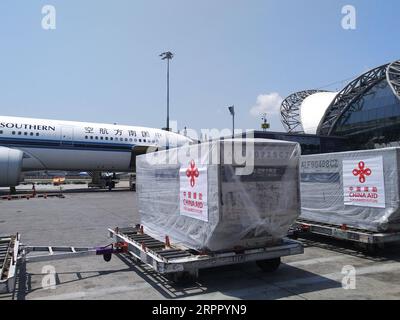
column 328, row 181
column 245, row 204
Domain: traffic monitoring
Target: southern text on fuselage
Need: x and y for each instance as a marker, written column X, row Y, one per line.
column 10, row 125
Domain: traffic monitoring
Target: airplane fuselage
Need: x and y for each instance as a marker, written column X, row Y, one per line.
column 82, row 146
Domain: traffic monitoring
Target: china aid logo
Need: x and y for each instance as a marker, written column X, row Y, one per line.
column 192, row 173
column 362, row 172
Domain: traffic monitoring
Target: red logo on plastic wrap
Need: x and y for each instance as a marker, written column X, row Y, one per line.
column 192, row 173
column 362, row 172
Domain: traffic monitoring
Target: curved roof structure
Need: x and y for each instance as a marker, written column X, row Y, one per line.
column 313, row 109
column 291, row 110
column 353, row 91
column 320, row 112
column 393, row 76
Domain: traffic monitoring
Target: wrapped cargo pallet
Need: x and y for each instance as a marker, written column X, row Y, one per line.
column 359, row 189
column 220, row 195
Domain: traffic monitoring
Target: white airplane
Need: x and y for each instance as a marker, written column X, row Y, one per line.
column 28, row 144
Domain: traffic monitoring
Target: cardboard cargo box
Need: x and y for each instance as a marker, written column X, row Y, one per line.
column 359, row 189
column 220, row 195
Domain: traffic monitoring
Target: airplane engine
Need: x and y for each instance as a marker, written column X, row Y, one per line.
column 10, row 167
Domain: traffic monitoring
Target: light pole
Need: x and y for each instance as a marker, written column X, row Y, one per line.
column 167, row 56
column 232, row 111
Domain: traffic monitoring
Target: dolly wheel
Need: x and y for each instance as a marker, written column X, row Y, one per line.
column 107, row 257
column 182, row 278
column 370, row 249
column 269, row 265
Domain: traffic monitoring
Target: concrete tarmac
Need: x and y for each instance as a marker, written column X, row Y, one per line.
column 82, row 219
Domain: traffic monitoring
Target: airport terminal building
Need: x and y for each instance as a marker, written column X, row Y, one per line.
column 363, row 115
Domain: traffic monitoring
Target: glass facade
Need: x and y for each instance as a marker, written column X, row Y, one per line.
column 373, row 121
column 310, row 144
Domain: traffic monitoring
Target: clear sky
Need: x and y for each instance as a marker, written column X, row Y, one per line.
column 101, row 62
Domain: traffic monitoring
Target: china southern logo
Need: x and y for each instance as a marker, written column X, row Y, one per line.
column 362, row 172
column 192, row 173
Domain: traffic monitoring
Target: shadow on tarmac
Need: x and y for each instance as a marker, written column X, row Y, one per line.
column 287, row 281
column 390, row 252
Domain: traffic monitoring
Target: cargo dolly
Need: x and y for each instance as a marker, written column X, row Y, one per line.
column 368, row 241
column 13, row 252
column 177, row 263
column 9, row 246
column 181, row 264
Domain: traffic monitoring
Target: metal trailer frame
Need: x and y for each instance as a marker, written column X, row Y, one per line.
column 18, row 253
column 177, row 263
column 13, row 252
column 181, row 263
column 9, row 249
column 50, row 253
column 371, row 241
